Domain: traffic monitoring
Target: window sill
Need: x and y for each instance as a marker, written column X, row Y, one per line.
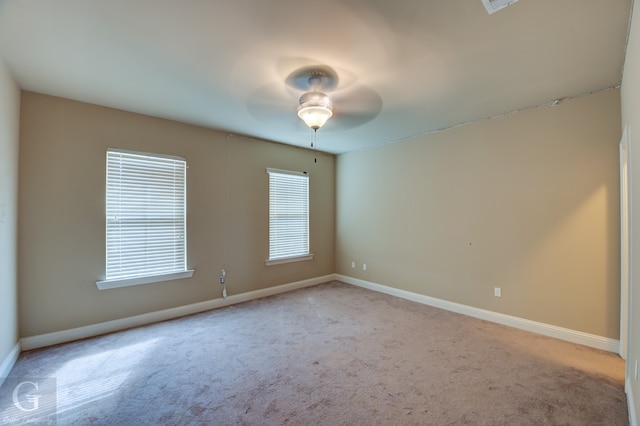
column 127, row 282
column 289, row 260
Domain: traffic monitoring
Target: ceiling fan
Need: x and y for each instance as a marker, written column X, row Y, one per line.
column 315, row 93
column 315, row 107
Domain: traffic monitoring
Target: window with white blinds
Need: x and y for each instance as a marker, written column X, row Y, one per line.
column 288, row 215
column 145, row 216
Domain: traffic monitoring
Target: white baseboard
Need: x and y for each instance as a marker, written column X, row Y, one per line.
column 8, row 362
column 63, row 336
column 633, row 415
column 561, row 333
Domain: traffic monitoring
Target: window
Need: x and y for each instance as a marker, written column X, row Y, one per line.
column 288, row 216
column 145, row 219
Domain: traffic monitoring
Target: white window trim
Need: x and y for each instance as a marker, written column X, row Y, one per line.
column 289, row 259
column 127, row 282
column 146, row 279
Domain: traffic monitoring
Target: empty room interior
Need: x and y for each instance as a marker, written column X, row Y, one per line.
column 414, row 212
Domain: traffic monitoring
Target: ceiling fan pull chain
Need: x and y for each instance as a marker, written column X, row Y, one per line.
column 313, row 145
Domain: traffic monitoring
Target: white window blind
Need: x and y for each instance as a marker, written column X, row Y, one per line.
column 145, row 215
column 288, row 214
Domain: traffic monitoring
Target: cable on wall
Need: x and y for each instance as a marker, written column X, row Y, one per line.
column 223, row 271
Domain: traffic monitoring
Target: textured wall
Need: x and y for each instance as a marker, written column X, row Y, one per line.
column 528, row 202
column 9, row 126
column 62, row 238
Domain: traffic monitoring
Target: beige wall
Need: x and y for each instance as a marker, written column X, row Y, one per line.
column 61, row 234
column 528, row 202
column 631, row 118
column 9, row 125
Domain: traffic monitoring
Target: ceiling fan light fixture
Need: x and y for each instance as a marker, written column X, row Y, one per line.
column 315, row 109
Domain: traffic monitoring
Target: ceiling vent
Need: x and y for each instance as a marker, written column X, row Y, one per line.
column 493, row 6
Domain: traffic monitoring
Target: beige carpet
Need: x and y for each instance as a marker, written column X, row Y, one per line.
column 332, row 354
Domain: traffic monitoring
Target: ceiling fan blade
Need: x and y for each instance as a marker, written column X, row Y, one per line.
column 354, row 107
column 274, row 104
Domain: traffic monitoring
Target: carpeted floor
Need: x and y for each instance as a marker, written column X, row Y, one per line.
column 331, row 354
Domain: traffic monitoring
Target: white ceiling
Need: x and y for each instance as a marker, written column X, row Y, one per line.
column 406, row 67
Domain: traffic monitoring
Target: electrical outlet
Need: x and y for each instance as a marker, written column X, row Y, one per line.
column 353, row 264
column 497, row 292
column 364, row 266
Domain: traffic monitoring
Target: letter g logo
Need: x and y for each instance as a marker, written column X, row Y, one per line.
column 32, row 398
